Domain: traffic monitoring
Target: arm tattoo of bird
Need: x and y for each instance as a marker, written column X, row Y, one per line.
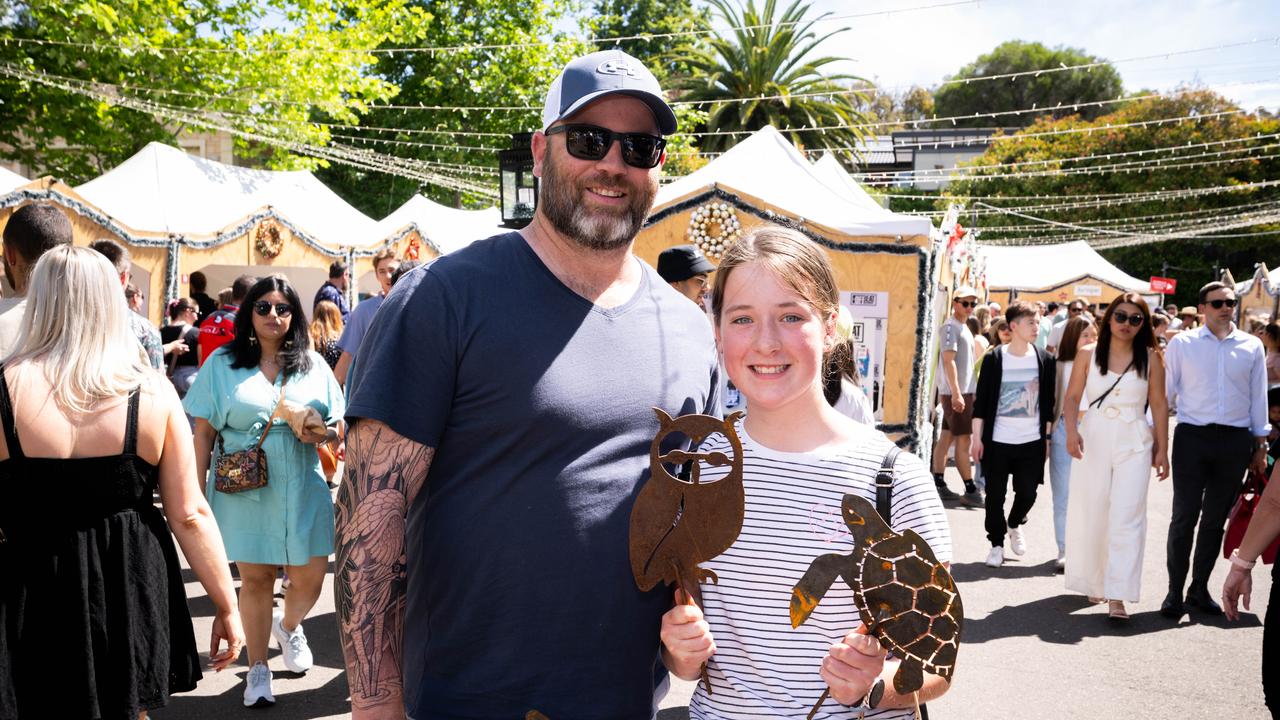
column 384, row 472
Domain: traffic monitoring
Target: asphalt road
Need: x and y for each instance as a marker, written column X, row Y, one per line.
column 1030, row 648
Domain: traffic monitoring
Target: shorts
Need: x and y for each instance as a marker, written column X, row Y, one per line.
column 957, row 423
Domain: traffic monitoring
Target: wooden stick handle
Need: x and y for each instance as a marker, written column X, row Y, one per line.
column 821, row 699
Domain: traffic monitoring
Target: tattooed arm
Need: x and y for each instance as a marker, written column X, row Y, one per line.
column 384, row 472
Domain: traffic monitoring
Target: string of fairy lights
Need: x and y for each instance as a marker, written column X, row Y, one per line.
column 479, row 179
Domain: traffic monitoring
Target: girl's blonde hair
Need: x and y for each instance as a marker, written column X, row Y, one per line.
column 797, row 261
column 77, row 326
column 326, row 324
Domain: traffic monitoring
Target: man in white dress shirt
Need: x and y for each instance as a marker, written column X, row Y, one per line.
column 1217, row 374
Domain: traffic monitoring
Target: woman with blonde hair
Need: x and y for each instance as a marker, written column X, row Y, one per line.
column 326, row 330
column 96, row 623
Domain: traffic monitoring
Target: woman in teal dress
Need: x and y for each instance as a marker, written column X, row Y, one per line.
column 288, row 523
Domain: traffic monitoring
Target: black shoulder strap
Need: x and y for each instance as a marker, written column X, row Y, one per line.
column 1098, row 402
column 884, row 484
column 6, row 415
column 131, row 427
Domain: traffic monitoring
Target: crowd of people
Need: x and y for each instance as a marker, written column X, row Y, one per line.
column 493, row 411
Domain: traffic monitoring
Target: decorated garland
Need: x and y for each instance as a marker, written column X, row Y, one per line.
column 714, row 227
column 268, row 240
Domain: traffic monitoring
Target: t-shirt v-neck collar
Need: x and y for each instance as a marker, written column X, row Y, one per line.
column 613, row 312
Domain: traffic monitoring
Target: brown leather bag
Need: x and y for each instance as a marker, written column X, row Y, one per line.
column 245, row 469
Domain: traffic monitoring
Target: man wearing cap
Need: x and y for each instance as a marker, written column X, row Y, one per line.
column 686, row 269
column 501, row 417
column 956, row 388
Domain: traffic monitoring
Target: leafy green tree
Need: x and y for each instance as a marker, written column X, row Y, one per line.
column 1055, row 90
column 497, row 54
column 258, row 67
column 769, row 56
column 659, row 20
column 1199, row 255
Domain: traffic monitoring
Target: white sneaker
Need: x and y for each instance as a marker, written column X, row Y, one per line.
column 995, row 558
column 257, row 690
column 293, row 646
column 1017, row 543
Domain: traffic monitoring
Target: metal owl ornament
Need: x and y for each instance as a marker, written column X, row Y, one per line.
column 905, row 597
column 678, row 524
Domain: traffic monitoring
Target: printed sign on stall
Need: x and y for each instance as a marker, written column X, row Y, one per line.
column 870, row 311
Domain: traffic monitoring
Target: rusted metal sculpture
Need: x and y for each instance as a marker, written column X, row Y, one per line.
column 677, row 524
column 906, row 598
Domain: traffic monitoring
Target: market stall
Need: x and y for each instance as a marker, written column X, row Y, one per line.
column 179, row 213
column 1260, row 295
column 882, row 260
column 1058, row 273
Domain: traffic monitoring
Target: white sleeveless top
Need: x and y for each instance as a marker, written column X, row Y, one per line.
column 1123, row 411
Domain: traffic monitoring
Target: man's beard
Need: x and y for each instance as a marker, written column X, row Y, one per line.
column 561, row 203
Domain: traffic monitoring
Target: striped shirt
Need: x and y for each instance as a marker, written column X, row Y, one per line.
column 762, row 667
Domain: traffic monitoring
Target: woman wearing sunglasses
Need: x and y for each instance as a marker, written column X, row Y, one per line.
column 1114, row 450
column 288, row 522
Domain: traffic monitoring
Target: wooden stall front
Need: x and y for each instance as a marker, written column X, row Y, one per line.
column 899, row 266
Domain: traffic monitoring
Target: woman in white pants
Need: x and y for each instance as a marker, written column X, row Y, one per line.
column 1114, row 450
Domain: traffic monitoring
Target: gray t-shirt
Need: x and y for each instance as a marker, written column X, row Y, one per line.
column 539, row 405
column 956, row 338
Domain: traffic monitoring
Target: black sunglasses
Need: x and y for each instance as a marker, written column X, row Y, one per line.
column 967, row 303
column 591, row 142
column 1123, row 317
column 263, row 308
column 1217, row 304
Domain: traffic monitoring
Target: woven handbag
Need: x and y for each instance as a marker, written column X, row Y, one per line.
column 245, row 469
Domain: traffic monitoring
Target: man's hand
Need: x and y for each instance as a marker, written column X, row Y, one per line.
column 975, row 448
column 957, row 403
column 852, row 666
column 686, row 636
column 1259, row 462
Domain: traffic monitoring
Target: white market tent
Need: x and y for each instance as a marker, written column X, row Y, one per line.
column 164, row 190
column 444, row 228
column 10, row 181
column 1057, row 272
column 179, row 213
column 766, row 165
column 832, row 173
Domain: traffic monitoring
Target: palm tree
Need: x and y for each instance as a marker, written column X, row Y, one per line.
column 769, row 61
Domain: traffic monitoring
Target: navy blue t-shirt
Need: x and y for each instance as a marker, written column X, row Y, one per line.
column 520, row 592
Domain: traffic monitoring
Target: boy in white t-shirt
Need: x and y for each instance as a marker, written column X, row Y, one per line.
column 1012, row 414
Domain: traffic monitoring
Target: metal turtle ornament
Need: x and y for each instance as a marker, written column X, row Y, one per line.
column 905, row 597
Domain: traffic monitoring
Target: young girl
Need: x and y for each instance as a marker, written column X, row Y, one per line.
column 775, row 306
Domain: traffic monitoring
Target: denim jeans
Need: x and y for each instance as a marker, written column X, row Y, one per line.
column 1059, row 480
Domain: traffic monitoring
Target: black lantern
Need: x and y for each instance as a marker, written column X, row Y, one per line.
column 519, row 186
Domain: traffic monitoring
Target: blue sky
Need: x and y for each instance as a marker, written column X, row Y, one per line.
column 905, row 47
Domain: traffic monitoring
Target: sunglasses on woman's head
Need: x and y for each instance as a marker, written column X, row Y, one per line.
column 1123, row 317
column 263, row 308
column 591, row 142
column 1217, row 304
